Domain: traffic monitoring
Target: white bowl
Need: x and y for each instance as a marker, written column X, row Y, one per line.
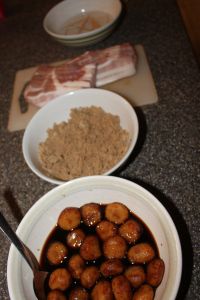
column 41, row 219
column 58, row 110
column 56, row 19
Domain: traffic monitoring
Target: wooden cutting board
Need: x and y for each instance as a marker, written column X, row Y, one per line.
column 138, row 90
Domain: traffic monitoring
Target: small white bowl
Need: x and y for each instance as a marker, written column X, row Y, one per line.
column 58, row 111
column 42, row 217
column 57, row 18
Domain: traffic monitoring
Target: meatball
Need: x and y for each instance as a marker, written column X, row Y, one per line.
column 121, row 288
column 75, row 238
column 56, row 253
column 76, row 266
column 106, row 229
column 135, row 275
column 91, row 214
column 90, row 249
column 131, row 231
column 78, row 293
column 60, row 279
column 69, row 218
column 116, row 212
column 102, row 291
column 56, row 295
column 89, row 276
column 145, row 292
column 111, row 267
column 115, row 247
column 141, row 253
column 155, row 272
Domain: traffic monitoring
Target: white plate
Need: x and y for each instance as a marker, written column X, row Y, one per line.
column 41, row 218
column 59, row 109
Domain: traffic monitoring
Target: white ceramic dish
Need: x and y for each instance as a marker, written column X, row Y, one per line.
column 59, row 15
column 58, row 110
column 41, row 218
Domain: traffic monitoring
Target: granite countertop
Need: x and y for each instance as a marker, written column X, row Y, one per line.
column 166, row 161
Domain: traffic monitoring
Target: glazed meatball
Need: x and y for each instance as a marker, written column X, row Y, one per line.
column 135, row 275
column 141, row 253
column 56, row 295
column 90, row 249
column 121, row 288
column 114, row 247
column 75, row 238
column 69, row 218
column 111, row 267
column 106, row 229
column 91, row 214
column 155, row 272
column 145, row 292
column 89, row 276
column 76, row 266
column 116, row 212
column 102, row 291
column 56, row 253
column 131, row 231
column 60, row 279
column 78, row 293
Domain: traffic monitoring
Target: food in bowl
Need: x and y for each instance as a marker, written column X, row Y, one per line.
column 90, row 69
column 86, row 22
column 41, row 219
column 101, row 250
column 58, row 111
column 90, row 143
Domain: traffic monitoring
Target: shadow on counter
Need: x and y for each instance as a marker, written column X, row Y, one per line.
column 13, row 205
column 141, row 134
column 183, row 232
column 181, row 226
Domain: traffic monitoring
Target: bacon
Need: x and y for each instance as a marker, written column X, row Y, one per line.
column 83, row 59
column 115, row 63
column 50, row 82
column 92, row 68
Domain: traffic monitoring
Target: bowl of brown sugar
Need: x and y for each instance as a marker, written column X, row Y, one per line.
column 82, row 133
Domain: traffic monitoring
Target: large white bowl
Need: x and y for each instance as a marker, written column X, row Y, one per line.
column 58, row 111
column 57, row 17
column 41, row 219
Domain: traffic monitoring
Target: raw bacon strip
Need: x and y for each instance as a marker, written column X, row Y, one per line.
column 92, row 68
column 115, row 63
column 115, row 70
column 84, row 59
column 50, row 82
column 112, row 63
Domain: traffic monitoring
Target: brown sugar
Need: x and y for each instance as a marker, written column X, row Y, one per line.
column 90, row 143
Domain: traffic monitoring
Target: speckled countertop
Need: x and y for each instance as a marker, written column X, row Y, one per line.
column 166, row 160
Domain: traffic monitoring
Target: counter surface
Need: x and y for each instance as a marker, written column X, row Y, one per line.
column 166, row 160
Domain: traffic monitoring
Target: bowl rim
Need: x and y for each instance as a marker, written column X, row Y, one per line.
column 87, row 40
column 94, row 181
column 84, row 34
column 48, row 106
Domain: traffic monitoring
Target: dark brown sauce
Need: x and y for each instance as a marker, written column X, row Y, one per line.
column 57, row 234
